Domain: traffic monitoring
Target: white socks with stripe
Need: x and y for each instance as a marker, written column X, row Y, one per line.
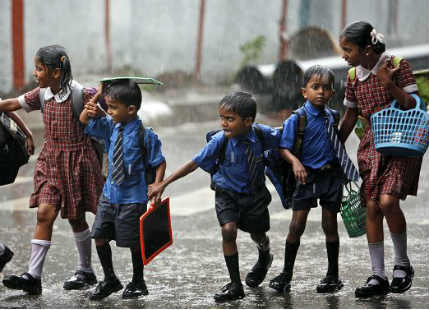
column 83, row 244
column 39, row 249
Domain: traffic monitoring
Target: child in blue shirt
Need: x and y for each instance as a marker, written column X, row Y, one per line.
column 124, row 195
column 241, row 195
column 318, row 175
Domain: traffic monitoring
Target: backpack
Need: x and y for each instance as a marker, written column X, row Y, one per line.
column 13, row 153
column 150, row 172
column 279, row 171
column 77, row 107
column 362, row 122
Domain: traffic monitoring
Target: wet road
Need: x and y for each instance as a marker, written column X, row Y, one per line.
column 188, row 273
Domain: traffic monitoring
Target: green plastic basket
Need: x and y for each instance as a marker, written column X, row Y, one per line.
column 353, row 212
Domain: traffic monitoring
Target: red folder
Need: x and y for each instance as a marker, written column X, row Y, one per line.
column 155, row 231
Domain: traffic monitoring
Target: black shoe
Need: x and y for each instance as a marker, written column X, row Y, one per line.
column 329, row 284
column 134, row 290
column 257, row 275
column 368, row 290
column 231, row 291
column 400, row 285
column 281, row 283
column 5, row 257
column 24, row 282
column 105, row 288
column 80, row 280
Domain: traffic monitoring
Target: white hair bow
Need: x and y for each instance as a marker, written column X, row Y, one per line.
column 376, row 37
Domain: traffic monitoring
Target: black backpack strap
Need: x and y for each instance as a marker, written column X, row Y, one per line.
column 299, row 131
column 141, row 138
column 260, row 135
column 77, row 99
column 42, row 92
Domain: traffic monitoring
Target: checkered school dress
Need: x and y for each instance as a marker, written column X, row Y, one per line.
column 396, row 176
column 67, row 173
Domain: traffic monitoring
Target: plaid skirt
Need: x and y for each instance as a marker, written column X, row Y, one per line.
column 68, row 177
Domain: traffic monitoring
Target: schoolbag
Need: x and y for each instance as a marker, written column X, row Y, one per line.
column 150, row 172
column 13, row 153
column 279, row 171
column 77, row 107
column 362, row 122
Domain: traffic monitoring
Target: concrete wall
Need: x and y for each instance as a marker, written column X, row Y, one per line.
column 154, row 36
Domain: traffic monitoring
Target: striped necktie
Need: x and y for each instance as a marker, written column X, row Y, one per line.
column 118, row 173
column 347, row 166
column 252, row 163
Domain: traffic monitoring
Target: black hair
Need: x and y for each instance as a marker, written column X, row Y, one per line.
column 55, row 57
column 318, row 70
column 125, row 90
column 359, row 33
column 241, row 103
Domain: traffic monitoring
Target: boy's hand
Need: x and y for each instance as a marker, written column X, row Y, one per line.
column 29, row 145
column 155, row 191
column 299, row 171
column 92, row 109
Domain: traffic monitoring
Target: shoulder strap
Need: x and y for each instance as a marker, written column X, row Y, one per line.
column 299, row 131
column 352, row 73
column 77, row 99
column 141, row 138
column 42, row 92
column 396, row 61
column 260, row 135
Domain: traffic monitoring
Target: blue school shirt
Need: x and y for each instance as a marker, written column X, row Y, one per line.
column 316, row 146
column 233, row 173
column 134, row 188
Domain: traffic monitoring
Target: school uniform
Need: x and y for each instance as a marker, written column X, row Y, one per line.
column 381, row 174
column 325, row 177
column 67, row 173
column 121, row 206
column 236, row 199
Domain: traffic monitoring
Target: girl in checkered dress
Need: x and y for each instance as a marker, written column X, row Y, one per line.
column 386, row 179
column 67, row 176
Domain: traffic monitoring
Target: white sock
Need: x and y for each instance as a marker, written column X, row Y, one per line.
column 376, row 252
column 401, row 256
column 83, row 244
column 39, row 249
column 2, row 248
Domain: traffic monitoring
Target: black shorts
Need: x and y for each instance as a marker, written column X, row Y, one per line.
column 118, row 222
column 325, row 185
column 249, row 211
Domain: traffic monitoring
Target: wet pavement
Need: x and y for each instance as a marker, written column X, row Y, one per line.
column 188, row 273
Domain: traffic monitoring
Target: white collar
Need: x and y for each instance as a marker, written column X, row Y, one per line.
column 62, row 95
column 363, row 73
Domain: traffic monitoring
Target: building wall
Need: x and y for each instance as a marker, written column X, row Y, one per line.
column 155, row 36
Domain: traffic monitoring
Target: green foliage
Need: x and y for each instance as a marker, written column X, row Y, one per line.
column 252, row 50
column 423, row 86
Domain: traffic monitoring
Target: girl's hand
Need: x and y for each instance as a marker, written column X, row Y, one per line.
column 385, row 73
column 29, row 145
column 299, row 171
